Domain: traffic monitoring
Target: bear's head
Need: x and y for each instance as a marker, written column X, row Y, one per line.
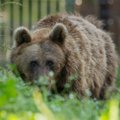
column 38, row 52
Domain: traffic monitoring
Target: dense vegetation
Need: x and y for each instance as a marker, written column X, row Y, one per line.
column 19, row 101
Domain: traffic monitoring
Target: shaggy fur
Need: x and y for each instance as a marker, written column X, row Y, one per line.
column 78, row 48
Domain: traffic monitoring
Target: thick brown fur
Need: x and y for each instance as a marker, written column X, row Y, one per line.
column 87, row 52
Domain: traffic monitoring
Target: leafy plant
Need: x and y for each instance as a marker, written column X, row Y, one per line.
column 20, row 101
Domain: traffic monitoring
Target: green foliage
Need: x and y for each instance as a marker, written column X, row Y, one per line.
column 20, row 101
column 118, row 78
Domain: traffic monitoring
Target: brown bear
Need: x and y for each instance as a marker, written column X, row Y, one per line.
column 67, row 45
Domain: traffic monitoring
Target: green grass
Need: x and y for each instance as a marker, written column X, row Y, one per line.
column 19, row 101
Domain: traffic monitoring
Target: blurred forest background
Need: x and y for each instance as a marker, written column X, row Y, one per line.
column 15, row 13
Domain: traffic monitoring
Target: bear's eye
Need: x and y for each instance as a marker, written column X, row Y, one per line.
column 50, row 64
column 34, row 64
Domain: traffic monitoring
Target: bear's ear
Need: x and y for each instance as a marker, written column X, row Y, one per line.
column 21, row 36
column 58, row 33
